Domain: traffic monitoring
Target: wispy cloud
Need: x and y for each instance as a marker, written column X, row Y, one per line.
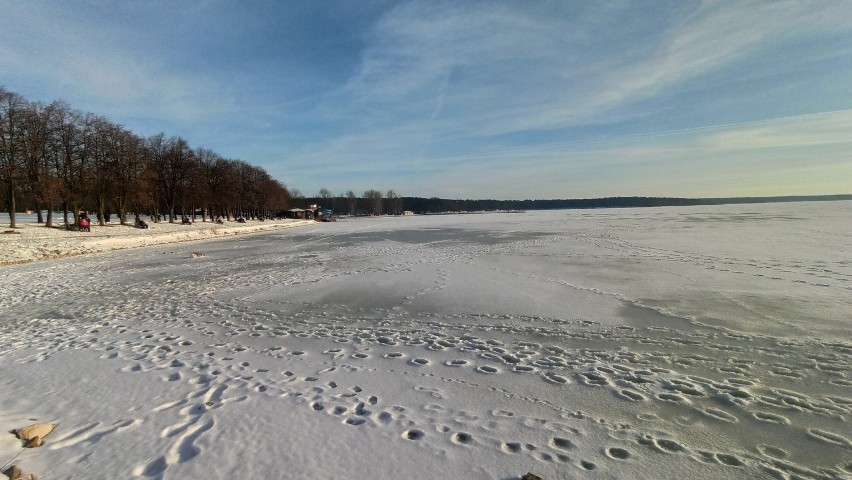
column 76, row 57
column 480, row 82
column 511, row 71
column 463, row 98
column 808, row 154
column 800, row 131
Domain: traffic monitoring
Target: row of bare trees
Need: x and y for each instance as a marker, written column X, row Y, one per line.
column 54, row 156
column 371, row 202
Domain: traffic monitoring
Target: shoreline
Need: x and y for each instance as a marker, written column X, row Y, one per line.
column 33, row 242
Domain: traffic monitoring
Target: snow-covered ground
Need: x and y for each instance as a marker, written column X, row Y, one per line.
column 32, row 241
column 700, row 342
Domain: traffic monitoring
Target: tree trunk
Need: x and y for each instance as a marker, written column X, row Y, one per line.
column 101, row 211
column 76, row 212
column 65, row 213
column 121, row 204
column 12, row 207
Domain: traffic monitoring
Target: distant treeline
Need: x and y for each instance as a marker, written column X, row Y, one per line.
column 441, row 205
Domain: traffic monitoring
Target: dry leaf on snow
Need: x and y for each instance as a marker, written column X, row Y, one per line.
column 35, row 430
column 13, row 472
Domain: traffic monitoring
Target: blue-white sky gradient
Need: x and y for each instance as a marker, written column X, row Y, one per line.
column 466, row 99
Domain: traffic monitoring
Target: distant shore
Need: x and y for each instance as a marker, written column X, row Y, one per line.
column 423, row 205
column 32, row 241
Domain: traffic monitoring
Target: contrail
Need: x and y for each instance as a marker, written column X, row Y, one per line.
column 543, row 146
column 738, row 124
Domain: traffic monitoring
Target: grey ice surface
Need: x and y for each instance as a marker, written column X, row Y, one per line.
column 705, row 342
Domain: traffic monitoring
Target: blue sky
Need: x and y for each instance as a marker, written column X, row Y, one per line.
column 466, row 99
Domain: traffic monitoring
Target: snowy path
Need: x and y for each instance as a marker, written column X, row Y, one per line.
column 655, row 343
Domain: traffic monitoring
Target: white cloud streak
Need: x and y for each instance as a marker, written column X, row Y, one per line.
column 76, row 55
column 437, row 78
column 807, row 155
column 499, row 70
column 444, row 92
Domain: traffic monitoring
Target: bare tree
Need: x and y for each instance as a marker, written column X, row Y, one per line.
column 253, row 180
column 65, row 144
column 127, row 172
column 146, row 197
column 373, row 199
column 326, row 198
column 194, row 194
column 352, row 201
column 170, row 160
column 225, row 194
column 105, row 150
column 393, row 203
column 276, row 196
column 83, row 166
column 12, row 108
column 35, row 137
column 208, row 181
column 239, row 185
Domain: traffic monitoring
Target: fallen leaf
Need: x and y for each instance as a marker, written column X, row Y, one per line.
column 36, row 430
column 13, row 472
column 34, row 442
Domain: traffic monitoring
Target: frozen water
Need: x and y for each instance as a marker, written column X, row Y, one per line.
column 700, row 342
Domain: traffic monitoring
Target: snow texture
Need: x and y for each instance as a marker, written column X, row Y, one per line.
column 32, row 241
column 700, row 342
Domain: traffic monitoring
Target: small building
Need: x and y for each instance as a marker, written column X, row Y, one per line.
column 300, row 213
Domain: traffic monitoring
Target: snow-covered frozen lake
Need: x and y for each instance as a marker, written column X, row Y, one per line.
column 699, row 342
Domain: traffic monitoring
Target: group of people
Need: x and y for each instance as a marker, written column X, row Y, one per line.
column 85, row 225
